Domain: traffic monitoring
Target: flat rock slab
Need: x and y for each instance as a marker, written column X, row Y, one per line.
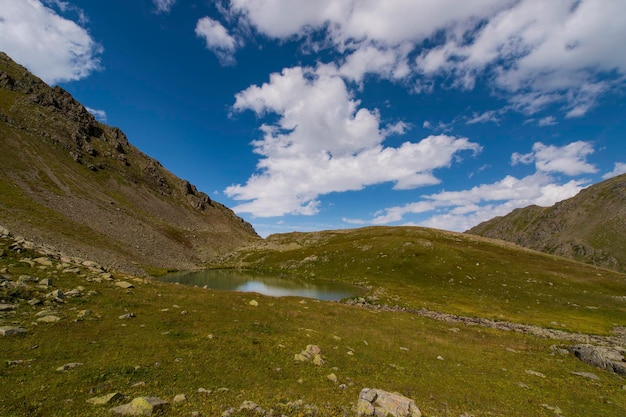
column 49, row 319
column 69, row 366
column 106, row 399
column 7, row 307
column 141, row 406
column 12, row 331
column 124, row 284
column 376, row 402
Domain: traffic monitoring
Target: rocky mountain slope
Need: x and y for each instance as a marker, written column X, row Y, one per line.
column 79, row 185
column 589, row 227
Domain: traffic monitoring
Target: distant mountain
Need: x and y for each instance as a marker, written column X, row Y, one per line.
column 79, row 185
column 589, row 227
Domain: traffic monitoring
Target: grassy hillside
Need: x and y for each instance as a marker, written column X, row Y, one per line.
column 69, row 180
column 589, row 227
column 416, row 268
column 182, row 339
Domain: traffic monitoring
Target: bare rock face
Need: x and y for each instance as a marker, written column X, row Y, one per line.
column 379, row 403
column 603, row 357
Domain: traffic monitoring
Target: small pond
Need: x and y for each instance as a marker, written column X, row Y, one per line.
column 262, row 283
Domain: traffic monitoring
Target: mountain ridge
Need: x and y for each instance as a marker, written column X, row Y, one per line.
column 589, row 227
column 100, row 196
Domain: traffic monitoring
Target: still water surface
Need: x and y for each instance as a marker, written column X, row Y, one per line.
column 267, row 284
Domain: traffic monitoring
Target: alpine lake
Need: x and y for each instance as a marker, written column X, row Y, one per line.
column 242, row 280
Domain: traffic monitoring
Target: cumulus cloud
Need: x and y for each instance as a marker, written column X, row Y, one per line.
column 569, row 159
column 163, row 6
column 324, row 142
column 461, row 210
column 52, row 47
column 538, row 53
column 618, row 169
column 217, row 39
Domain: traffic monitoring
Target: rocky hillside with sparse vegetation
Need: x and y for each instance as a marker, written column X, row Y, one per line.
column 589, row 227
column 69, row 180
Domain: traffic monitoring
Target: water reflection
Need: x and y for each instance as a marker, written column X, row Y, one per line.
column 253, row 281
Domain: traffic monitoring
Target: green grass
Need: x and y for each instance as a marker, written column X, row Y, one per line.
column 224, row 342
column 453, row 273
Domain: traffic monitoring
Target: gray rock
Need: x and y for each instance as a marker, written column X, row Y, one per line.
column 312, row 353
column 34, row 301
column 180, row 398
column 69, row 366
column 12, row 331
column 46, row 282
column 124, row 284
column 141, row 406
column 49, row 319
column 127, row 316
column 379, row 403
column 587, row 375
column 7, row 307
column 603, row 357
column 106, row 399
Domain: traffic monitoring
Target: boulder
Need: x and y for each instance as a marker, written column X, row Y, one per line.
column 124, row 284
column 106, row 399
column 12, row 331
column 141, row 406
column 603, row 357
column 379, row 403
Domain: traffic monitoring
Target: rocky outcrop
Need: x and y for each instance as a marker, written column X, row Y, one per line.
column 379, row 403
column 610, row 358
column 141, row 406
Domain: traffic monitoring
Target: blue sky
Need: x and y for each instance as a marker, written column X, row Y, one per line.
column 303, row 115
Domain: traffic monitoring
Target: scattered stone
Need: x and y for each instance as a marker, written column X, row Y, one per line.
column 49, row 319
column 312, row 353
column 254, row 303
column 555, row 409
column 57, row 295
column 83, row 313
column 180, row 398
column 404, row 349
column 124, row 284
column 603, row 357
column 139, row 384
column 127, row 316
column 376, row 402
column 141, row 406
column 7, row 307
column 535, row 373
column 332, row 378
column 439, row 358
column 343, row 387
column 43, row 261
column 522, row 385
column 106, row 399
column 25, row 279
column 587, row 375
column 69, row 366
column 34, row 301
column 204, row 391
column 73, row 293
column 12, row 331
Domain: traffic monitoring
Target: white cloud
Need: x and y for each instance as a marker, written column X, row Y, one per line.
column 569, row 159
column 52, row 47
column 323, row 142
column 547, row 121
column 537, row 52
column 163, row 6
column 618, row 169
column 217, row 39
column 461, row 210
column 98, row 114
